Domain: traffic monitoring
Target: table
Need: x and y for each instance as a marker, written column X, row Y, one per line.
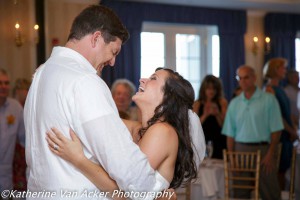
column 210, row 181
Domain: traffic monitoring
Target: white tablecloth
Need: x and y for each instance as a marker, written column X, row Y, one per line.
column 210, row 182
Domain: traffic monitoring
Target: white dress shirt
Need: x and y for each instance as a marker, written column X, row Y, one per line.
column 66, row 92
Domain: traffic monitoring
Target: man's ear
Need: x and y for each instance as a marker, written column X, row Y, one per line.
column 96, row 36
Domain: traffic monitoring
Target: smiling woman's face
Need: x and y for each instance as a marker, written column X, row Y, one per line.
column 281, row 72
column 150, row 89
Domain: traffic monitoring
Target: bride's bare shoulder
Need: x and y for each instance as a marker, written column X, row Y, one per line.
column 162, row 131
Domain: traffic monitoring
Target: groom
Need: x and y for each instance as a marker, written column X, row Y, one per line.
column 67, row 92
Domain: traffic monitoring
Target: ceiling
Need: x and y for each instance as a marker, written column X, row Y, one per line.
column 287, row 6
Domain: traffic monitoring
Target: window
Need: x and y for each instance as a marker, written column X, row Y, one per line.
column 193, row 51
column 188, row 58
column 216, row 55
column 298, row 54
column 152, row 52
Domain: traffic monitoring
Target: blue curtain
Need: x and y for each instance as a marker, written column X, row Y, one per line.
column 231, row 25
column 230, row 60
column 282, row 29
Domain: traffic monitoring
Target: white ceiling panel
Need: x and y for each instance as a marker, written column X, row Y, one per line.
column 289, row 6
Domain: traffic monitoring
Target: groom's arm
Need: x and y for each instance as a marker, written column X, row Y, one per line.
column 98, row 176
column 112, row 145
column 133, row 127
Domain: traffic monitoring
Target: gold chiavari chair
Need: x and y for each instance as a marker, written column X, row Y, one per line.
column 236, row 163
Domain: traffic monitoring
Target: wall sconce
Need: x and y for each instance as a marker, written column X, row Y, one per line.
column 36, row 33
column 255, row 46
column 18, row 39
column 267, row 45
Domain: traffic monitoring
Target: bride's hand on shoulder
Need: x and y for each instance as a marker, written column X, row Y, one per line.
column 69, row 150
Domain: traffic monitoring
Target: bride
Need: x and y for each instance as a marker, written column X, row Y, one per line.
column 170, row 135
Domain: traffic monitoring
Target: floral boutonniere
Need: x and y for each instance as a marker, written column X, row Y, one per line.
column 10, row 119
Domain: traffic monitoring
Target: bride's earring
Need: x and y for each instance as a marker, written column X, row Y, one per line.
column 160, row 109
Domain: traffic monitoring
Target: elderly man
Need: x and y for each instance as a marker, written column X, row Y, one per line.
column 122, row 91
column 11, row 129
column 253, row 121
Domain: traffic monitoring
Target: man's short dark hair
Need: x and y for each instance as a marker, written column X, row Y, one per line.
column 98, row 18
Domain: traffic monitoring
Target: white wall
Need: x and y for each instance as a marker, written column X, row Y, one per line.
column 255, row 27
column 59, row 15
column 20, row 62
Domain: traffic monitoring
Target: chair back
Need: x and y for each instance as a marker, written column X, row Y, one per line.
column 236, row 163
column 292, row 178
column 184, row 192
column 290, row 195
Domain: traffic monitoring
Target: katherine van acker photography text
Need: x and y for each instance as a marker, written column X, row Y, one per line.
column 85, row 193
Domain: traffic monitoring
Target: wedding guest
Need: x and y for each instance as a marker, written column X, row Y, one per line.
column 211, row 108
column 11, row 130
column 292, row 92
column 20, row 92
column 274, row 71
column 122, row 91
column 253, row 122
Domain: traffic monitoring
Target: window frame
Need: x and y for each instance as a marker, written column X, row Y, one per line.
column 205, row 32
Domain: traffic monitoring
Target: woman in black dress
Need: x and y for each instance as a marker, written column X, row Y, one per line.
column 211, row 108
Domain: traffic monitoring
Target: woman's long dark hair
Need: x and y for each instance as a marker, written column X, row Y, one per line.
column 217, row 85
column 178, row 99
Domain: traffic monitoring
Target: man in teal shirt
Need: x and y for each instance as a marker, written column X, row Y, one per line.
column 253, row 122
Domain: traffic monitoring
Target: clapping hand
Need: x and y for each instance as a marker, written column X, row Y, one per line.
column 211, row 109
